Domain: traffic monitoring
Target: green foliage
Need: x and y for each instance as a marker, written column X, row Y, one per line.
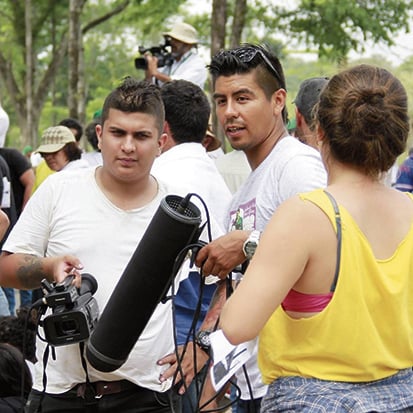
column 296, row 70
column 150, row 18
column 336, row 27
column 333, row 28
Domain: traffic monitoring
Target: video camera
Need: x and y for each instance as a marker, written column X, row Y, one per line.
column 74, row 311
column 162, row 52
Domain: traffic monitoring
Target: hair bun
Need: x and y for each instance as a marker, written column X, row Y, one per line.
column 373, row 97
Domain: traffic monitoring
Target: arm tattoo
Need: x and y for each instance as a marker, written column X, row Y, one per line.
column 30, row 271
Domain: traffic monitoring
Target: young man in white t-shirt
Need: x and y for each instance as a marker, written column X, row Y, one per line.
column 91, row 221
column 249, row 91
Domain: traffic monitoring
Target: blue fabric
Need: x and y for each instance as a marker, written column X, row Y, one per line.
column 25, row 298
column 9, row 292
column 404, row 181
column 185, row 303
column 4, row 304
column 306, row 395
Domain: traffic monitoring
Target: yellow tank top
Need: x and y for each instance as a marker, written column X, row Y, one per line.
column 366, row 331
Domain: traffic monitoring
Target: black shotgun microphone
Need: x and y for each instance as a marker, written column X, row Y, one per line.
column 144, row 282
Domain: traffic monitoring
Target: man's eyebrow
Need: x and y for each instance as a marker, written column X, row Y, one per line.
column 115, row 128
column 237, row 92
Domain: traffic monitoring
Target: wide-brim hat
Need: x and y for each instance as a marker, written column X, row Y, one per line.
column 55, row 138
column 183, row 32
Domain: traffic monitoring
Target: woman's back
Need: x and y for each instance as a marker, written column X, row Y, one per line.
column 384, row 216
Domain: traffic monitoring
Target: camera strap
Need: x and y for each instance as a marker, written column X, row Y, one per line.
column 177, row 64
column 44, row 380
column 91, row 401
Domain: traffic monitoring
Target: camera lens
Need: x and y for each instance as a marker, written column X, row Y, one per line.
column 141, row 63
column 67, row 327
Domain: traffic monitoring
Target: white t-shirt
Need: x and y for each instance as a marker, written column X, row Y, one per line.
column 75, row 164
column 234, row 168
column 69, row 214
column 189, row 168
column 93, row 158
column 4, row 126
column 291, row 167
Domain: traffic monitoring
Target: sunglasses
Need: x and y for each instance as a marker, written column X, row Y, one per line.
column 248, row 54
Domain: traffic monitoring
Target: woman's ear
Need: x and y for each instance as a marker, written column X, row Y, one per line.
column 320, row 136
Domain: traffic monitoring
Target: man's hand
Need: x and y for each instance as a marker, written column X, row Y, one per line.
column 152, row 62
column 26, row 271
column 186, row 372
column 222, row 255
column 65, row 265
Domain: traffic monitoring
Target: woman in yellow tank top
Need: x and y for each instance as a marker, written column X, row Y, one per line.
column 330, row 288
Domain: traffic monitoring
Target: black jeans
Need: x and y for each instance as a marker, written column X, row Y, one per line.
column 249, row 406
column 139, row 400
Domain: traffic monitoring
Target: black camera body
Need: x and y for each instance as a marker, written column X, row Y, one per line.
column 74, row 311
column 161, row 52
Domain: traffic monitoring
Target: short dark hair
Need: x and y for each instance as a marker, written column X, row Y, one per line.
column 73, row 124
column 187, row 110
column 307, row 97
column 72, row 151
column 12, row 366
column 20, row 331
column 90, row 132
column 133, row 96
column 247, row 58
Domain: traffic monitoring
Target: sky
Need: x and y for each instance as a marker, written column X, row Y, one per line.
column 402, row 49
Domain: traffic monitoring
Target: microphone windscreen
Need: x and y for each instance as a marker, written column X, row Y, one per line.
column 144, row 282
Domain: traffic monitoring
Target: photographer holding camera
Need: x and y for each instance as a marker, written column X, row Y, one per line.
column 92, row 219
column 186, row 63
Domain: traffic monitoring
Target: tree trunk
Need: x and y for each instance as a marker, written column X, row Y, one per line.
column 218, row 24
column 239, row 22
column 74, row 52
column 30, row 131
column 81, row 84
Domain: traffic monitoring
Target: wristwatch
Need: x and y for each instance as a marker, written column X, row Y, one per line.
column 251, row 244
column 202, row 340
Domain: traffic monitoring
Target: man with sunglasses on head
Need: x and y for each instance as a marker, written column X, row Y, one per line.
column 249, row 92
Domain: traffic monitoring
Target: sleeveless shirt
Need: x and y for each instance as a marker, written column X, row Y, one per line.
column 365, row 333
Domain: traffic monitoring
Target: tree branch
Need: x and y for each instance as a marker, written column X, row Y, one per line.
column 105, row 17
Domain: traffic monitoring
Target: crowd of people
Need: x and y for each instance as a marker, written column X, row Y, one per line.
column 304, row 250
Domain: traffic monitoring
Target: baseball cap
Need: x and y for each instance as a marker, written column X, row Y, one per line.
column 308, row 95
column 55, row 138
column 183, row 32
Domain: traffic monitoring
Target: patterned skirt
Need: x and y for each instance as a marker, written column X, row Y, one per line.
column 297, row 394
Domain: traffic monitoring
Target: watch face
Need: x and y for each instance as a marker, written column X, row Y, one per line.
column 251, row 244
column 250, row 248
column 204, row 339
